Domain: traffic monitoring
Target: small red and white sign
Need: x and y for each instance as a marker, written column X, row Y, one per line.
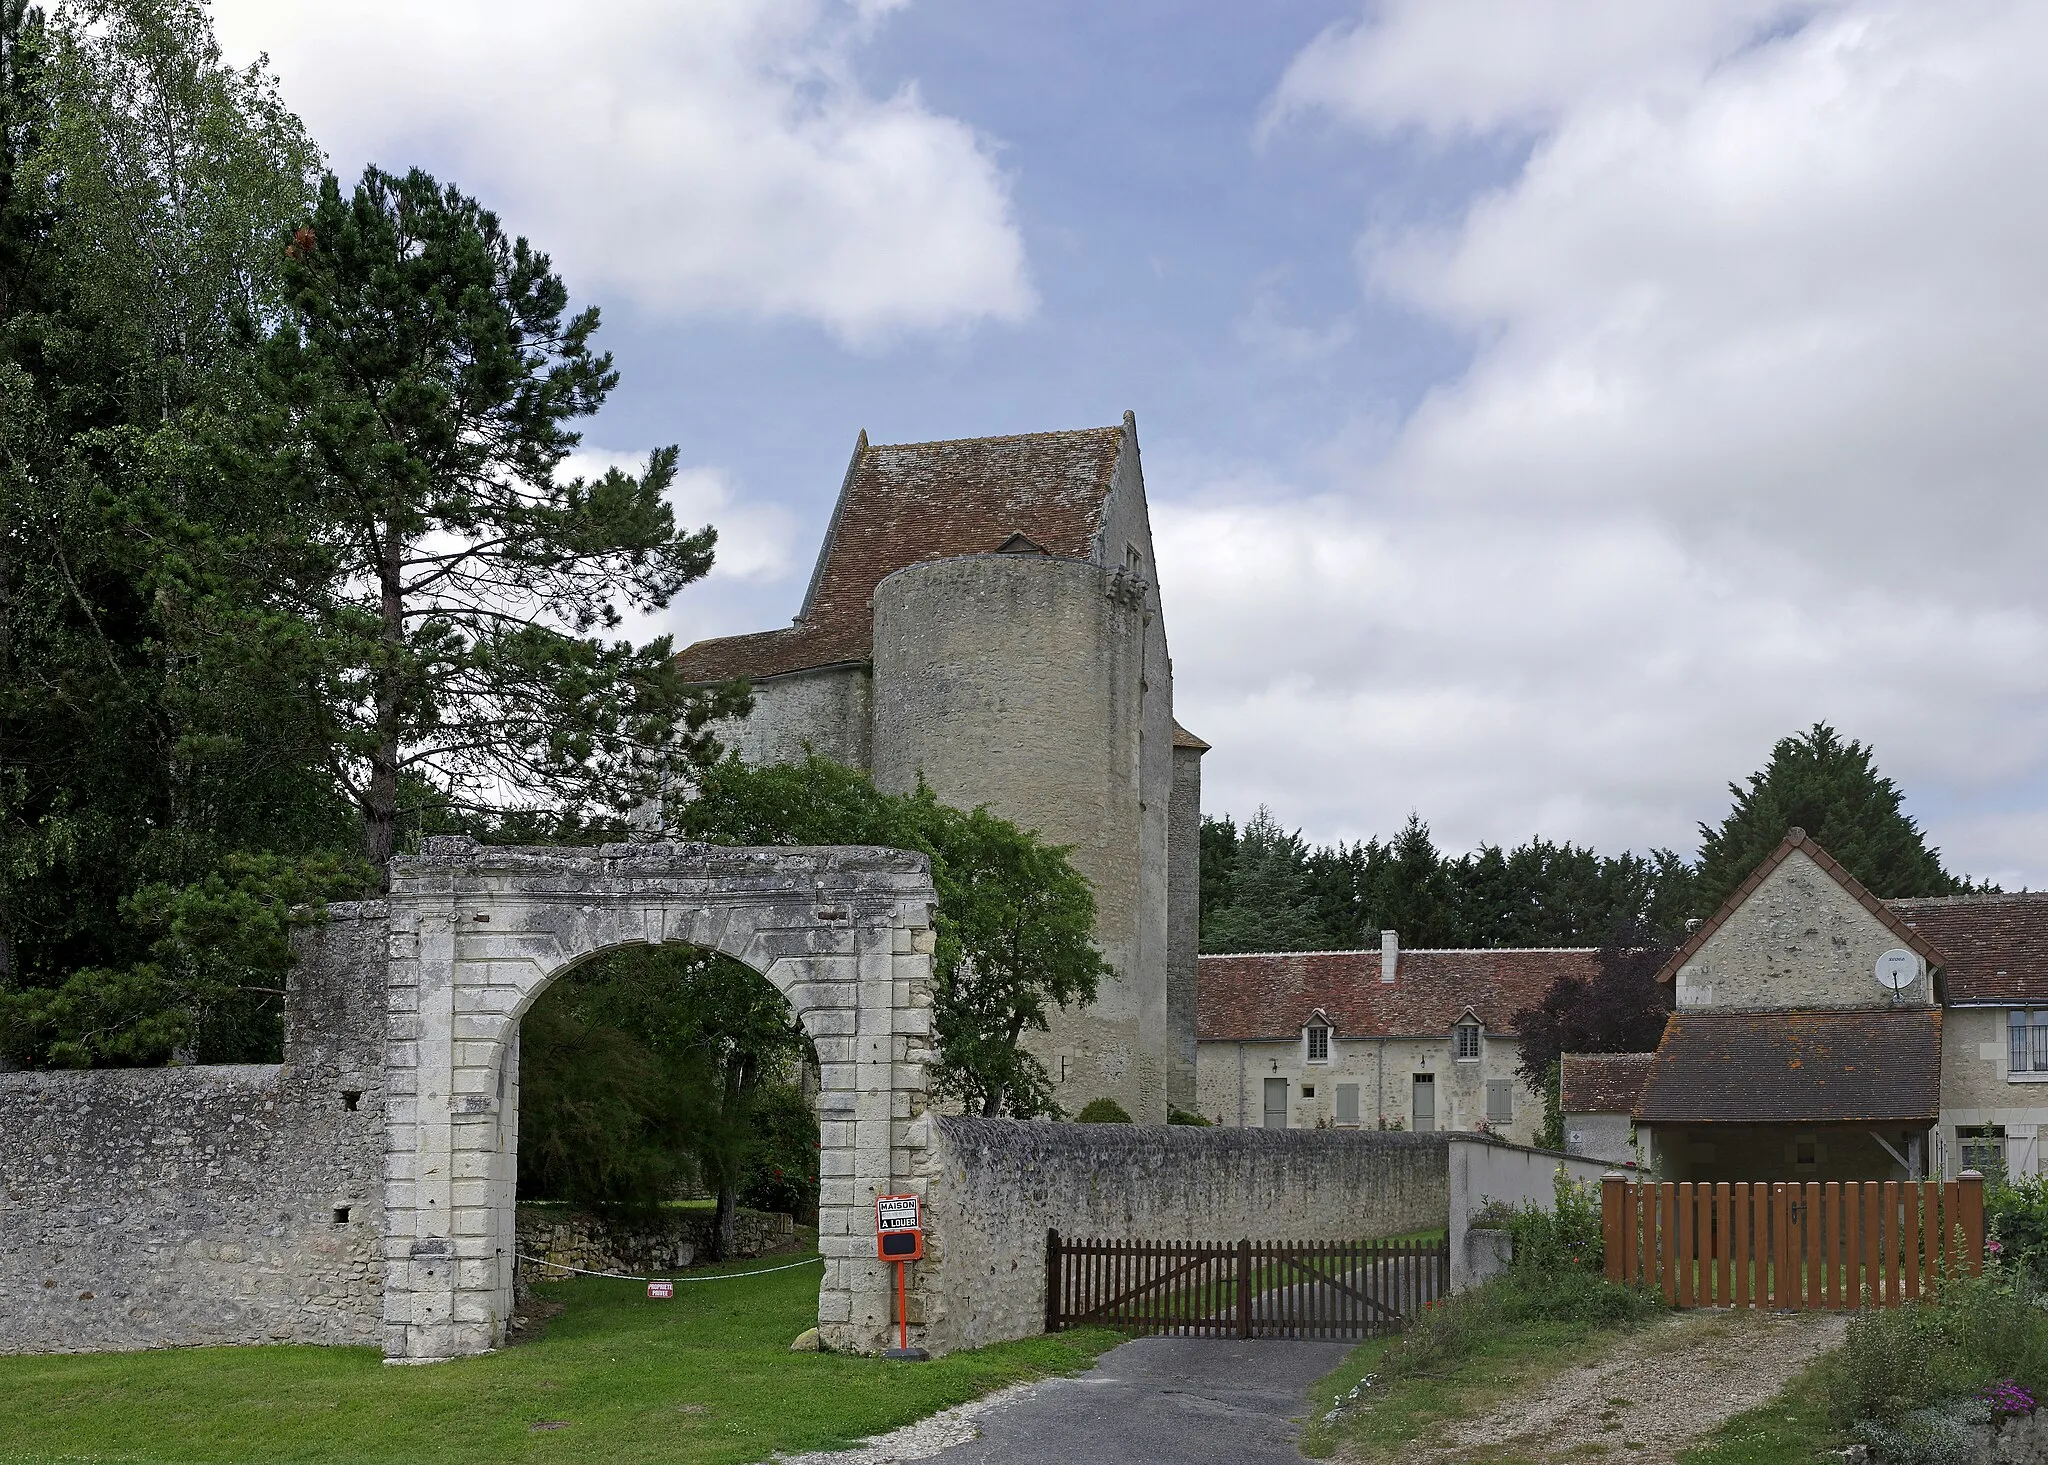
column 897, row 1213
column 661, row 1289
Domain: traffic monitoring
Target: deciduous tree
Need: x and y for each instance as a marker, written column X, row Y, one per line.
column 1014, row 925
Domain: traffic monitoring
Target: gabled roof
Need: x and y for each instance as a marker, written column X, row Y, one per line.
column 905, row 503
column 1796, row 839
column 1604, row 1083
column 1271, row 994
column 1994, row 948
column 1870, row 1065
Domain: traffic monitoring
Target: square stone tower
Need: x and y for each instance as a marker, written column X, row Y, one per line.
column 985, row 613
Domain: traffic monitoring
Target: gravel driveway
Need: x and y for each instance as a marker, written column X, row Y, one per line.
column 1650, row 1396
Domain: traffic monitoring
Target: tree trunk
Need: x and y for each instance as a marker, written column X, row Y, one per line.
column 380, row 800
column 724, row 1239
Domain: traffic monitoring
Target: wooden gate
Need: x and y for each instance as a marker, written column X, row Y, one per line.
column 1792, row 1246
column 1242, row 1289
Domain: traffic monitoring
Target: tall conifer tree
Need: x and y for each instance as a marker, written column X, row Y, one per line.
column 422, row 395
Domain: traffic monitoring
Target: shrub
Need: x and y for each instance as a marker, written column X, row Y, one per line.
column 1102, row 1111
column 1891, row 1364
column 1183, row 1116
column 1910, row 1381
column 2016, row 1213
column 1566, row 1237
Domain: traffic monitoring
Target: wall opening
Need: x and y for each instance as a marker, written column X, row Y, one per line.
column 653, row 1081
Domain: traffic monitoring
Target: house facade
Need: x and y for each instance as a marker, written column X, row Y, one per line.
column 1387, row 1038
column 1818, row 1032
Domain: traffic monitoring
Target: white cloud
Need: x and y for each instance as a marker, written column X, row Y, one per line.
column 1750, row 437
column 714, row 158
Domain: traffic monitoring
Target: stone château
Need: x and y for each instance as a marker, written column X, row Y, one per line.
column 985, row 614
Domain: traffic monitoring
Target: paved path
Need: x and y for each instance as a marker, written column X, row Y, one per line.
column 1152, row 1401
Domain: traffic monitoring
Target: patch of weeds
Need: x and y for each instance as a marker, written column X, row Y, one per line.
column 1790, row 1428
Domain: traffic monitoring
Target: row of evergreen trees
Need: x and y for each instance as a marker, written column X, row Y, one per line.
column 1266, row 889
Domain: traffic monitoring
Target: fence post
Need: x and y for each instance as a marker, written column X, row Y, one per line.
column 1052, row 1281
column 1244, row 1289
column 1970, row 1185
column 1612, row 1190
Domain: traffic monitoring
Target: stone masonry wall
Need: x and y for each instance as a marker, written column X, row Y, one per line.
column 144, row 1208
column 993, row 1187
column 668, row 1242
column 1799, row 940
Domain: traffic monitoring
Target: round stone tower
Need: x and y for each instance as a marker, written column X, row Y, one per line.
column 1020, row 681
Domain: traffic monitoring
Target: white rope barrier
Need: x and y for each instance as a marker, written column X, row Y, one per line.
column 623, row 1277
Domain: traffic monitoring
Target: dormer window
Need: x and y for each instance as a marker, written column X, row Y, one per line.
column 1318, row 1043
column 1466, row 1036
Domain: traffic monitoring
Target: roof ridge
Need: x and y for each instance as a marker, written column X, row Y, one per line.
column 2000, row 897
column 1002, row 437
column 1404, row 951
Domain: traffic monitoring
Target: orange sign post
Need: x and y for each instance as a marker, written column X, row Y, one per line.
column 899, row 1238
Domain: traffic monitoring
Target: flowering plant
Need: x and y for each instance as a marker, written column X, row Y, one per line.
column 2007, row 1399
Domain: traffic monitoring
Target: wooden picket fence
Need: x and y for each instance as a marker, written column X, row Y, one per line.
column 1792, row 1246
column 1242, row 1289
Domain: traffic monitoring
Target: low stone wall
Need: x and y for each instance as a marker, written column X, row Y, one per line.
column 145, row 1208
column 153, row 1207
column 668, row 1242
column 993, row 1188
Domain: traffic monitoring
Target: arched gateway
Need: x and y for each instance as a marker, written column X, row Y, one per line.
column 478, row 932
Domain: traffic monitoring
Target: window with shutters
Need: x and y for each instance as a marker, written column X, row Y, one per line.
column 1347, row 1103
column 1500, row 1100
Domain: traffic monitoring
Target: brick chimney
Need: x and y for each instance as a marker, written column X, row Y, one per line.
column 1390, row 954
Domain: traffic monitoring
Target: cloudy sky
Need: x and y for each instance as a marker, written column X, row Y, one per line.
column 1545, row 405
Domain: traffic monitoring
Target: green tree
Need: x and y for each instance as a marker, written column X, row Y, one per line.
column 154, row 758
column 1264, row 899
column 645, row 1058
column 1014, row 917
column 1831, row 789
column 420, row 397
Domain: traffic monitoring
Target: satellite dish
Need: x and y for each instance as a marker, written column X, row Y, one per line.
column 1897, row 970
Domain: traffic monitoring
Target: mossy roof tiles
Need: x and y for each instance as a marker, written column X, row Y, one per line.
column 905, row 503
column 1876, row 1066
column 1271, row 995
column 1604, row 1083
column 1994, row 948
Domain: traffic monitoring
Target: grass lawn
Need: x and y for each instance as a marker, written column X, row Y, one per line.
column 707, row 1377
column 1503, row 1359
column 1790, row 1429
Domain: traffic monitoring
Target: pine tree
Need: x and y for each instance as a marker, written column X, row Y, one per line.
column 422, row 395
column 1831, row 789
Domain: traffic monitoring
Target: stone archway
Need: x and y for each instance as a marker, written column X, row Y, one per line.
column 477, row 932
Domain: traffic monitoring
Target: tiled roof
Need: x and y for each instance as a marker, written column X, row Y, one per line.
column 1795, row 839
column 1271, row 995
column 1994, row 948
column 905, row 503
column 1874, row 1066
column 1604, row 1083
column 1182, row 738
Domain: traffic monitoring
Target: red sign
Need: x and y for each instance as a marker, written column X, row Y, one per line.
column 661, row 1289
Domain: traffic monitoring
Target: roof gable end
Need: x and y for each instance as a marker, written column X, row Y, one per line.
column 1797, row 840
